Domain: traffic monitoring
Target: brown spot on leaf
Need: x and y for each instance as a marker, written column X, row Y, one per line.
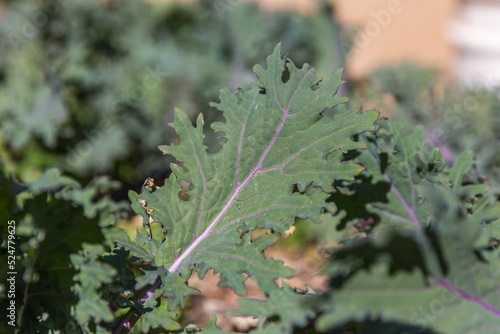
column 183, row 193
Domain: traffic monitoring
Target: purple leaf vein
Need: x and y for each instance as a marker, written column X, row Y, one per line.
column 198, row 239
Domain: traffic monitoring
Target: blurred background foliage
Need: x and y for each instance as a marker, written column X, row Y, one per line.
column 455, row 117
column 89, row 87
column 92, row 89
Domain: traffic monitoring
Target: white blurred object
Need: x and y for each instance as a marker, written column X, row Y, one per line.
column 476, row 32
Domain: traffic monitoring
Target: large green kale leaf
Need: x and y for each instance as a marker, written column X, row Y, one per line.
column 277, row 142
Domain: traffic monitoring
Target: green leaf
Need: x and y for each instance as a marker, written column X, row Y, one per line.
column 51, row 179
column 461, row 166
column 443, row 278
column 393, row 286
column 92, row 275
column 293, row 308
column 211, row 328
column 159, row 316
column 277, row 142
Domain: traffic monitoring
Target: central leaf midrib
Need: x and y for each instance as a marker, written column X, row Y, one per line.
column 410, row 211
column 177, row 263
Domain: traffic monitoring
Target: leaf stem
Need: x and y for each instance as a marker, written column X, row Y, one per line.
column 130, row 319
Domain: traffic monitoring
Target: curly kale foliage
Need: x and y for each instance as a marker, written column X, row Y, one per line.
column 61, row 232
column 277, row 142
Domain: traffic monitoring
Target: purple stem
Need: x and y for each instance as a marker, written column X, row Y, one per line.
column 465, row 295
column 394, row 216
column 410, row 210
column 444, row 283
column 130, row 318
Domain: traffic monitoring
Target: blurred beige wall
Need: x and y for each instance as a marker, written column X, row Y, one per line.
column 392, row 31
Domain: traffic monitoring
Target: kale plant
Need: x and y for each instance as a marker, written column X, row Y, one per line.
column 424, row 260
